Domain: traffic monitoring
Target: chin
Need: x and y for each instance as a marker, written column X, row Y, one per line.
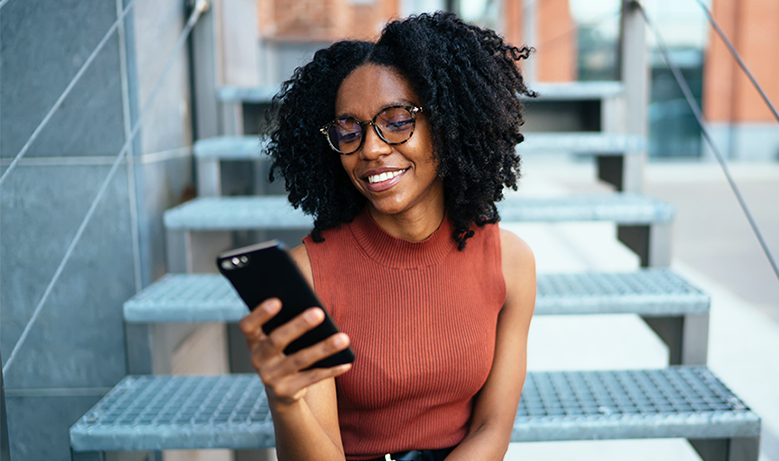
column 385, row 208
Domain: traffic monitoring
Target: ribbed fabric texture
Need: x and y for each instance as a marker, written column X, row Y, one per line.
column 422, row 318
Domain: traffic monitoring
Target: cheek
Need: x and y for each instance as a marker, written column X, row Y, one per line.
column 348, row 163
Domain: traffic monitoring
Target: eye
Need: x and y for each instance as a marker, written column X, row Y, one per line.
column 345, row 131
column 396, row 119
column 345, row 136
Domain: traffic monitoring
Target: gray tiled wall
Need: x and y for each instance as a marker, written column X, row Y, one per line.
column 76, row 350
column 74, row 342
column 44, row 43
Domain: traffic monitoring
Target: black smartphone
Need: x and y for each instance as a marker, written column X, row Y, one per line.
column 265, row 270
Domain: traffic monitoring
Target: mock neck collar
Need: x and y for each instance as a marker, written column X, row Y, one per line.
column 400, row 253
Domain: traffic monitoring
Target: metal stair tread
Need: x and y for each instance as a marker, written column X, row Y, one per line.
column 595, row 143
column 578, row 91
column 649, row 292
column 271, row 212
column 570, row 91
column 231, row 148
column 230, row 411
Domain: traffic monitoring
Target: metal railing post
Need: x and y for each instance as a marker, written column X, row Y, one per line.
column 634, row 73
column 5, row 449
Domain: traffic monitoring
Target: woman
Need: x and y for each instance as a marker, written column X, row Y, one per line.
column 399, row 149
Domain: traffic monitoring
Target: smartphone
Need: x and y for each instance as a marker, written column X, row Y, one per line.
column 265, row 270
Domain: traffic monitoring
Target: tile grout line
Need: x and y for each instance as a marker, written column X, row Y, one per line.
column 97, row 160
column 1, row 191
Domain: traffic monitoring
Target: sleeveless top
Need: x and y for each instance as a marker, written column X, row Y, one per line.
column 422, row 319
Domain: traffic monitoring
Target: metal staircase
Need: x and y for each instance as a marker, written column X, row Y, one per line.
column 685, row 400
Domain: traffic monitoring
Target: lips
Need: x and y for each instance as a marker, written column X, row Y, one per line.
column 380, row 179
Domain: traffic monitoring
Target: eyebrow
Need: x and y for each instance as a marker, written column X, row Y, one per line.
column 399, row 102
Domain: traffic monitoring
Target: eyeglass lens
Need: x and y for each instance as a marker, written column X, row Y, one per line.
column 394, row 125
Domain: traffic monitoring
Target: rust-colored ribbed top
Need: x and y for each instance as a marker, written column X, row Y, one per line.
column 421, row 317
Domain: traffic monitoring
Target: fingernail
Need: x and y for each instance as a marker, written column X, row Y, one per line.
column 339, row 340
column 313, row 315
column 271, row 306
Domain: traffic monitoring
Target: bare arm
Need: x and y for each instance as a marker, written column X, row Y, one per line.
column 302, row 403
column 496, row 405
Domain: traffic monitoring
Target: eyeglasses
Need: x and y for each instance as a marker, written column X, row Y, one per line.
column 394, row 125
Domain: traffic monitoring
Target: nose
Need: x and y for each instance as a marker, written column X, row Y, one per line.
column 373, row 146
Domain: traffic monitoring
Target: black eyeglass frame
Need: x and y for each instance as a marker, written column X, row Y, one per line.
column 413, row 110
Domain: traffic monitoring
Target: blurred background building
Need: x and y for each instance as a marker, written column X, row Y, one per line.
column 577, row 40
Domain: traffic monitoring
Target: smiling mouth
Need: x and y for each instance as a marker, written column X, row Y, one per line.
column 386, row 176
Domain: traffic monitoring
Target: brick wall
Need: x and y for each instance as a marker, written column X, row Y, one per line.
column 330, row 20
column 728, row 94
column 323, row 20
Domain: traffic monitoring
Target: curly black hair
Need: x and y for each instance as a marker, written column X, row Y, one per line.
column 469, row 85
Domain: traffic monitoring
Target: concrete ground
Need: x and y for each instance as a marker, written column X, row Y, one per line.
column 713, row 247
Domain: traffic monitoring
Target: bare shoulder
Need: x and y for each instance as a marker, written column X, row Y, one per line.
column 299, row 254
column 519, row 272
column 516, row 254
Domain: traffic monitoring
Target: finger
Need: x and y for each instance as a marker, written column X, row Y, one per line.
column 294, row 388
column 265, row 311
column 304, row 358
column 282, row 336
column 300, row 381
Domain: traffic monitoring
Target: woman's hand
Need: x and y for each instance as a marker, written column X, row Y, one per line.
column 285, row 376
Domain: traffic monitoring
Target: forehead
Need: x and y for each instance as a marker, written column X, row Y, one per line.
column 370, row 88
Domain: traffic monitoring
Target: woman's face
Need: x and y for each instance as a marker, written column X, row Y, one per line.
column 394, row 178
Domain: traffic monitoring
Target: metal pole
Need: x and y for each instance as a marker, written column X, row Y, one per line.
column 531, row 38
column 634, row 73
column 5, row 450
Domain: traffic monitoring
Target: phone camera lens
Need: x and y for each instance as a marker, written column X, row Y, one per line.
column 244, row 259
column 236, row 261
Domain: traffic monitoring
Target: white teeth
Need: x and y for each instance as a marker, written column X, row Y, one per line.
column 384, row 176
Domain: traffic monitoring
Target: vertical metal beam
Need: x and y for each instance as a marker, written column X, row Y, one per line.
column 177, row 249
column 530, row 20
column 5, row 449
column 687, row 337
column 660, row 237
column 140, row 354
column 651, row 243
column 611, row 169
column 231, row 117
column 209, row 181
column 206, row 68
column 695, row 340
column 634, row 73
column 734, row 449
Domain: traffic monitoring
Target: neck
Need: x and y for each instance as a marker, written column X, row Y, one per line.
column 415, row 224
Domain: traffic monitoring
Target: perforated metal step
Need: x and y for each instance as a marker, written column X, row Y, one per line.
column 650, row 292
column 275, row 212
column 192, row 412
column 231, row 148
column 568, row 91
column 582, row 143
column 248, row 94
column 253, row 147
column 578, row 91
